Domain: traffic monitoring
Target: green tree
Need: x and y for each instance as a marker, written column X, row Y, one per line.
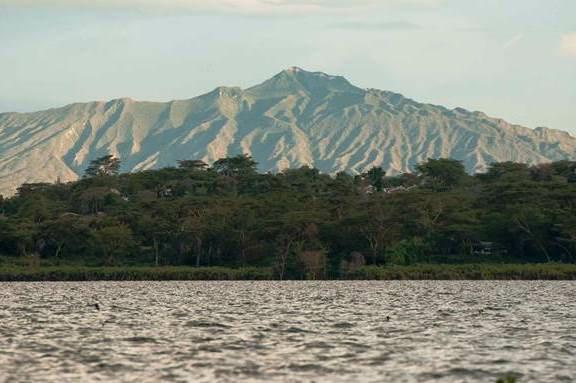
column 107, row 165
column 116, row 242
column 442, row 173
column 67, row 236
column 375, row 177
column 240, row 165
column 194, row 223
column 193, row 165
column 502, row 171
column 566, row 169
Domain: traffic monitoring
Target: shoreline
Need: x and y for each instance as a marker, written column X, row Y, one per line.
column 526, row 272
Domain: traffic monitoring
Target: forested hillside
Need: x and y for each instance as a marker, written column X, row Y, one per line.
column 299, row 222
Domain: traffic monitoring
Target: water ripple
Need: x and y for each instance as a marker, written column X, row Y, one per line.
column 287, row 331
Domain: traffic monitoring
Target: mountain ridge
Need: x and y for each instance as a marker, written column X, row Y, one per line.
column 294, row 118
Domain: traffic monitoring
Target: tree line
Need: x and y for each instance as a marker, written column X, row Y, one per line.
column 299, row 222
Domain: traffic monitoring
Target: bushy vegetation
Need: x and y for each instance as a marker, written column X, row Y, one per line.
column 297, row 224
column 168, row 273
column 544, row 271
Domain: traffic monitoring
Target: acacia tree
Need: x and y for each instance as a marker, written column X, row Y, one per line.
column 442, row 172
column 534, row 225
column 376, row 232
column 193, row 225
column 506, row 171
column 240, row 165
column 107, row 165
column 155, row 231
column 297, row 241
column 67, row 235
column 244, row 225
column 116, row 242
column 194, row 165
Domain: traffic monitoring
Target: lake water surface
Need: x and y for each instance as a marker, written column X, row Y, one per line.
column 288, row 331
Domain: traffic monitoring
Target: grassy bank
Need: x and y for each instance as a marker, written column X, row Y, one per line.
column 181, row 273
column 542, row 271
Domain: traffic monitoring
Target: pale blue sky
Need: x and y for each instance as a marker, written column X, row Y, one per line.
column 514, row 59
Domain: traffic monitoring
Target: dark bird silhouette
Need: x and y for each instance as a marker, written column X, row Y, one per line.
column 96, row 306
column 387, row 318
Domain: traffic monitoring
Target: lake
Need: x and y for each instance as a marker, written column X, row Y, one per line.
column 436, row 331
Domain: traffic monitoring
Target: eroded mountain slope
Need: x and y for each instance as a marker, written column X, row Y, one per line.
column 296, row 118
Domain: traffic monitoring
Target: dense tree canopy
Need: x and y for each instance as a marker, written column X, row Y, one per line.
column 299, row 222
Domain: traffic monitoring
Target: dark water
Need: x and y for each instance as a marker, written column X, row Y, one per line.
column 288, row 332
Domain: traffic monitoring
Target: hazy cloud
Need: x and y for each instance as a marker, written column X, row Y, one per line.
column 240, row 6
column 568, row 44
column 382, row 26
column 514, row 40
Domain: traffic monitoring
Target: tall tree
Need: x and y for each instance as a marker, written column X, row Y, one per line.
column 442, row 172
column 240, row 165
column 116, row 242
column 194, row 165
column 510, row 171
column 107, row 165
column 375, row 177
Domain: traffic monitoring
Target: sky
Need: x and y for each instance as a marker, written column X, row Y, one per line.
column 513, row 59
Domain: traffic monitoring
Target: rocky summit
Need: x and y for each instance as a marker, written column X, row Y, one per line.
column 295, row 118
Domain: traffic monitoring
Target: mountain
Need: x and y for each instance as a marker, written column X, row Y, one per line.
column 295, row 118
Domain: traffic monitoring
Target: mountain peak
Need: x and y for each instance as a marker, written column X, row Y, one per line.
column 302, row 73
column 293, row 69
column 297, row 80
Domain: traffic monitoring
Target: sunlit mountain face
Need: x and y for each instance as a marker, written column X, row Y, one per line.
column 295, row 118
